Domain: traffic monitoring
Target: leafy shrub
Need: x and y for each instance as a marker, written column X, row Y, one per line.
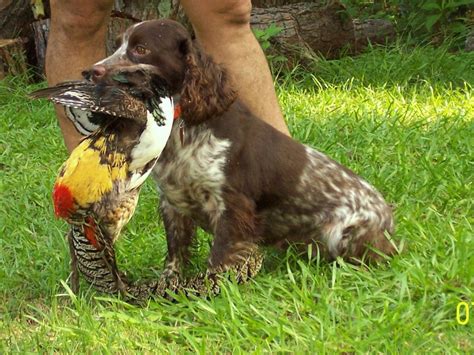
column 426, row 19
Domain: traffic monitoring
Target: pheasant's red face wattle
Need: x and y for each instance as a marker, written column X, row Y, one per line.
column 63, row 201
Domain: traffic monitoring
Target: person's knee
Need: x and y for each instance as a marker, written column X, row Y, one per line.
column 209, row 15
column 235, row 12
column 80, row 19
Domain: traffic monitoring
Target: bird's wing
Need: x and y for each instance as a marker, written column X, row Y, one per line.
column 49, row 92
column 86, row 103
column 88, row 96
column 86, row 122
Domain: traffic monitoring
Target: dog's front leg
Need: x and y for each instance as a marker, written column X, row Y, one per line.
column 180, row 233
column 243, row 259
column 233, row 250
column 235, row 246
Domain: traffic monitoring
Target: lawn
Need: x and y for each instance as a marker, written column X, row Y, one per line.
column 402, row 118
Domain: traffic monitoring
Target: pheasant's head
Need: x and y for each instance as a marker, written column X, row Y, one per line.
column 142, row 81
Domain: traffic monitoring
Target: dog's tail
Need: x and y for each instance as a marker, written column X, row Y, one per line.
column 365, row 240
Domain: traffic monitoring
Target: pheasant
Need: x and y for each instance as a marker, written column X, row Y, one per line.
column 97, row 188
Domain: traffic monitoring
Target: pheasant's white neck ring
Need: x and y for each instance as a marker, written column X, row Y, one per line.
column 152, row 141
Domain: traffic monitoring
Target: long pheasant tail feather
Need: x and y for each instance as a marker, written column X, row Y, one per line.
column 205, row 284
column 208, row 284
column 92, row 262
column 74, row 269
column 91, row 231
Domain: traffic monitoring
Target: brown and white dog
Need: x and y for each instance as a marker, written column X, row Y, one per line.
column 235, row 176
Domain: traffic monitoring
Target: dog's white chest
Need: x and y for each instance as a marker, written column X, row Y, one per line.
column 191, row 175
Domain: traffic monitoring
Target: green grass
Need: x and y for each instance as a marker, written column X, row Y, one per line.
column 401, row 118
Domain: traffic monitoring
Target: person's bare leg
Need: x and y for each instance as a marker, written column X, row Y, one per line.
column 76, row 41
column 223, row 29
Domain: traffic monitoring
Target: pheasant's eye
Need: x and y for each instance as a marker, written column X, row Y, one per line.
column 141, row 50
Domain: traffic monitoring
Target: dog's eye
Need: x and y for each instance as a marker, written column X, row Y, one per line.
column 141, row 50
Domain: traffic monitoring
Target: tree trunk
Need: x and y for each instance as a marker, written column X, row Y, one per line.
column 276, row 3
column 374, row 31
column 322, row 29
column 469, row 44
column 117, row 26
column 140, row 10
column 127, row 12
column 12, row 57
column 40, row 33
column 15, row 17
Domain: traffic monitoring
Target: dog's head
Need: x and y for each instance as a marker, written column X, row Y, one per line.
column 165, row 50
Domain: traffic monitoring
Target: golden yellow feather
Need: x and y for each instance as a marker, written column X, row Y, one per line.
column 86, row 176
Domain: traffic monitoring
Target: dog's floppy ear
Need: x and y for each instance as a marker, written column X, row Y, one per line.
column 206, row 88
